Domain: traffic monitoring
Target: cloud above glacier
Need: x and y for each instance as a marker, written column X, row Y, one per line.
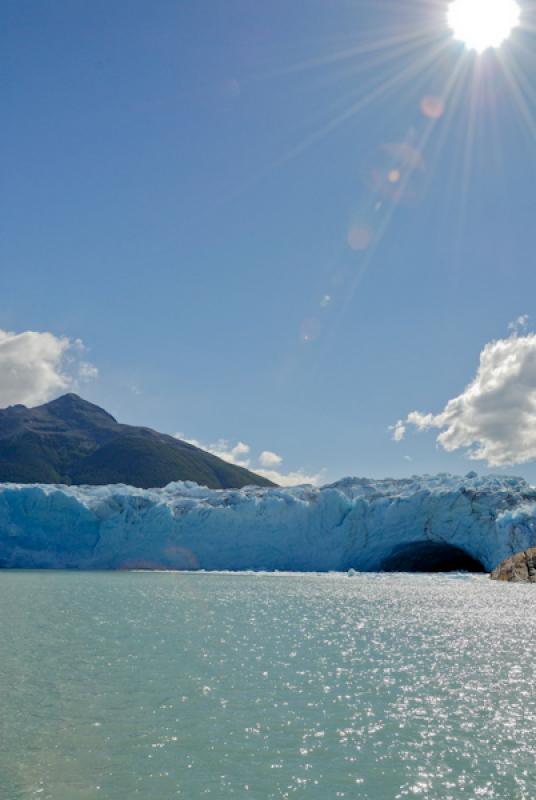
column 269, row 459
column 268, row 464
column 36, row 366
column 292, row 478
column 495, row 416
column 235, row 454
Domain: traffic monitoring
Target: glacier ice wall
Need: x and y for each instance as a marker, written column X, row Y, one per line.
column 354, row 523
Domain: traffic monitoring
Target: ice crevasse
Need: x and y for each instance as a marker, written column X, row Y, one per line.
column 355, row 523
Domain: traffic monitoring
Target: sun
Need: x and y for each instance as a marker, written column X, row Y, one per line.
column 481, row 24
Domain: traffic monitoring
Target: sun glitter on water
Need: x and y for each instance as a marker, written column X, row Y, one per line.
column 482, row 24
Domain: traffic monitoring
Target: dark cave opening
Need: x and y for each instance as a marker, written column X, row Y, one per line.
column 430, row 557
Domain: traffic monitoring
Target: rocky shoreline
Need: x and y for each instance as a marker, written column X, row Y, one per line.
column 520, row 568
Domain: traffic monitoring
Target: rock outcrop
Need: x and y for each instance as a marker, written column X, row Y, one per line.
column 520, row 568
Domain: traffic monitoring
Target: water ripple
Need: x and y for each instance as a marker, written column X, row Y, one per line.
column 375, row 687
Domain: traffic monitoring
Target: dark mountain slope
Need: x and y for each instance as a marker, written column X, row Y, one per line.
column 72, row 441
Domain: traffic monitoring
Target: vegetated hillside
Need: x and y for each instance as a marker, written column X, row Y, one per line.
column 72, row 441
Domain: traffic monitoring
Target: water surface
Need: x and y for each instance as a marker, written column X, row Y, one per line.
column 162, row 685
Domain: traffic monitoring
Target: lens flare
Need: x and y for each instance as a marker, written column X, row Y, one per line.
column 482, row 24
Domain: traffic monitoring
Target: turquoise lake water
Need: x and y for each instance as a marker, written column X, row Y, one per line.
column 161, row 685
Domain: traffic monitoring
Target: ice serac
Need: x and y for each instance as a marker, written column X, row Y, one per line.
column 416, row 523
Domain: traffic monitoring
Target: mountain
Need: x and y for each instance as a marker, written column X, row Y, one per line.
column 72, row 441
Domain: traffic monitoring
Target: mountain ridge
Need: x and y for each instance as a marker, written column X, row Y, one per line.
column 74, row 442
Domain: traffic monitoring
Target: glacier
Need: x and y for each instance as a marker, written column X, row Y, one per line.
column 354, row 524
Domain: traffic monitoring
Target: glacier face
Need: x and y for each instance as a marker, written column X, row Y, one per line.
column 354, row 523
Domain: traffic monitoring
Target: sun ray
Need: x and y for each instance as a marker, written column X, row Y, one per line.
column 415, row 68
column 385, row 59
column 386, row 46
column 519, row 88
column 452, row 86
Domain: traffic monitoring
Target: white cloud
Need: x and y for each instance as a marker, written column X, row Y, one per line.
column 495, row 416
column 34, row 367
column 265, row 465
column 87, row 371
column 399, row 430
column 269, row 459
column 519, row 324
column 295, row 478
column 234, row 454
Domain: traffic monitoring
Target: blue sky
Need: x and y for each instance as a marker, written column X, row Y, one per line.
column 260, row 220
